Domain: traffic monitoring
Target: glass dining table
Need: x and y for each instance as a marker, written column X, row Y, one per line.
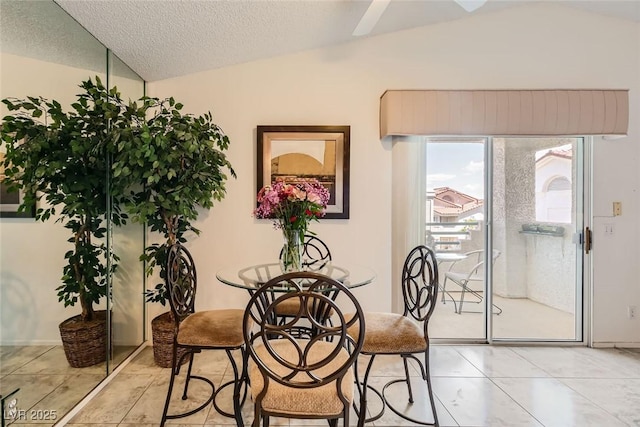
column 251, row 277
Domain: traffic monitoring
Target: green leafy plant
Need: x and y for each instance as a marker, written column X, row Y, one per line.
column 60, row 159
column 177, row 164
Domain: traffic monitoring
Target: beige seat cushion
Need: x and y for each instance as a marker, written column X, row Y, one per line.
column 213, row 328
column 320, row 401
column 390, row 333
column 291, row 307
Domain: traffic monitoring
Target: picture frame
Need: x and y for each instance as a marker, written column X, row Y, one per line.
column 300, row 152
column 9, row 208
column 10, row 202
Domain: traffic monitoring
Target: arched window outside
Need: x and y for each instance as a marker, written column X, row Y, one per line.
column 553, row 204
column 559, row 184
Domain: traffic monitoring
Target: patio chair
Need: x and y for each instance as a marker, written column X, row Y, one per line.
column 471, row 281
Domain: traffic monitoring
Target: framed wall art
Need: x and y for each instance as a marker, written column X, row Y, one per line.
column 9, row 202
column 294, row 153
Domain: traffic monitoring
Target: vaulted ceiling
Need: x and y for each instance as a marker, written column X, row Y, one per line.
column 161, row 39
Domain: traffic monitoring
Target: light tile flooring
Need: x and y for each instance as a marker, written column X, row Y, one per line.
column 48, row 383
column 474, row 386
column 49, row 387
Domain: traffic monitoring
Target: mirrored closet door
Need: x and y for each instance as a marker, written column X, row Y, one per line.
column 44, row 52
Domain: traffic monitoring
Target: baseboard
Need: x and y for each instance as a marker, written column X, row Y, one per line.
column 616, row 345
column 57, row 342
column 31, row 342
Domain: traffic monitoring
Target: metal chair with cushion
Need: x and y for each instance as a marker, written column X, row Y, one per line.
column 294, row 377
column 405, row 335
column 200, row 330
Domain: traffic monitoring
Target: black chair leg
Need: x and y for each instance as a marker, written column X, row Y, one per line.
column 171, row 381
column 240, row 377
column 406, row 373
column 362, row 388
column 244, row 375
column 237, row 386
column 427, row 374
column 424, row 370
column 186, row 382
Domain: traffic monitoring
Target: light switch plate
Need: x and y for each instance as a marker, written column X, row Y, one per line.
column 617, row 208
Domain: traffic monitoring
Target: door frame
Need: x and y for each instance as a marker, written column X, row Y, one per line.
column 583, row 300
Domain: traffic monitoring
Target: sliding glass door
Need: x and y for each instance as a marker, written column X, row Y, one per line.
column 537, row 224
column 455, row 228
column 504, row 216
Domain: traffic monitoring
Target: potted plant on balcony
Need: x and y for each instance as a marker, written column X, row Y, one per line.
column 60, row 159
column 178, row 165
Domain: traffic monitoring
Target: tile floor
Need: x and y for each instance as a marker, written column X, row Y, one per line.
column 48, row 386
column 47, row 382
column 474, row 386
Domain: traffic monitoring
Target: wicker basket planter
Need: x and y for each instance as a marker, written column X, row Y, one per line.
column 85, row 343
column 162, row 327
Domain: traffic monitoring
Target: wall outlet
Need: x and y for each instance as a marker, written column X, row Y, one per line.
column 631, row 311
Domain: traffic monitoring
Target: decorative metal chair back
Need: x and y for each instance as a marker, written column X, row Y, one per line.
column 315, row 253
column 181, row 281
column 310, row 362
column 420, row 283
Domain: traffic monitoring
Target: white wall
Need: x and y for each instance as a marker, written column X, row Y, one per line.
column 534, row 46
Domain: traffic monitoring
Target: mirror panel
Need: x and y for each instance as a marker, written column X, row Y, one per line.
column 44, row 52
column 127, row 284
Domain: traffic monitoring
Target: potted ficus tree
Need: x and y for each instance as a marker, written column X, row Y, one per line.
column 177, row 165
column 60, row 159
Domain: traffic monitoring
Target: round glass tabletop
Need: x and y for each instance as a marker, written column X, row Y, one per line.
column 253, row 276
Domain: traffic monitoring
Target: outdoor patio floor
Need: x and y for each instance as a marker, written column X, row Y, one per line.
column 521, row 319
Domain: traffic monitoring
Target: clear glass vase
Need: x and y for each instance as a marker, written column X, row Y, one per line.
column 291, row 256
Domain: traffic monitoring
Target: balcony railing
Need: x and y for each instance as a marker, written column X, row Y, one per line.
column 448, row 236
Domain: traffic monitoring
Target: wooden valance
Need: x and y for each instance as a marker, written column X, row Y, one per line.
column 561, row 112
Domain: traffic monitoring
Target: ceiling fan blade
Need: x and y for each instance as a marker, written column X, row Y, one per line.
column 371, row 17
column 470, row 5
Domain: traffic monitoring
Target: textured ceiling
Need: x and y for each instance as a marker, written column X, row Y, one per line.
column 160, row 39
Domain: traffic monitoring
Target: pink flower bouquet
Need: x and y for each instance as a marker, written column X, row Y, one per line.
column 292, row 206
